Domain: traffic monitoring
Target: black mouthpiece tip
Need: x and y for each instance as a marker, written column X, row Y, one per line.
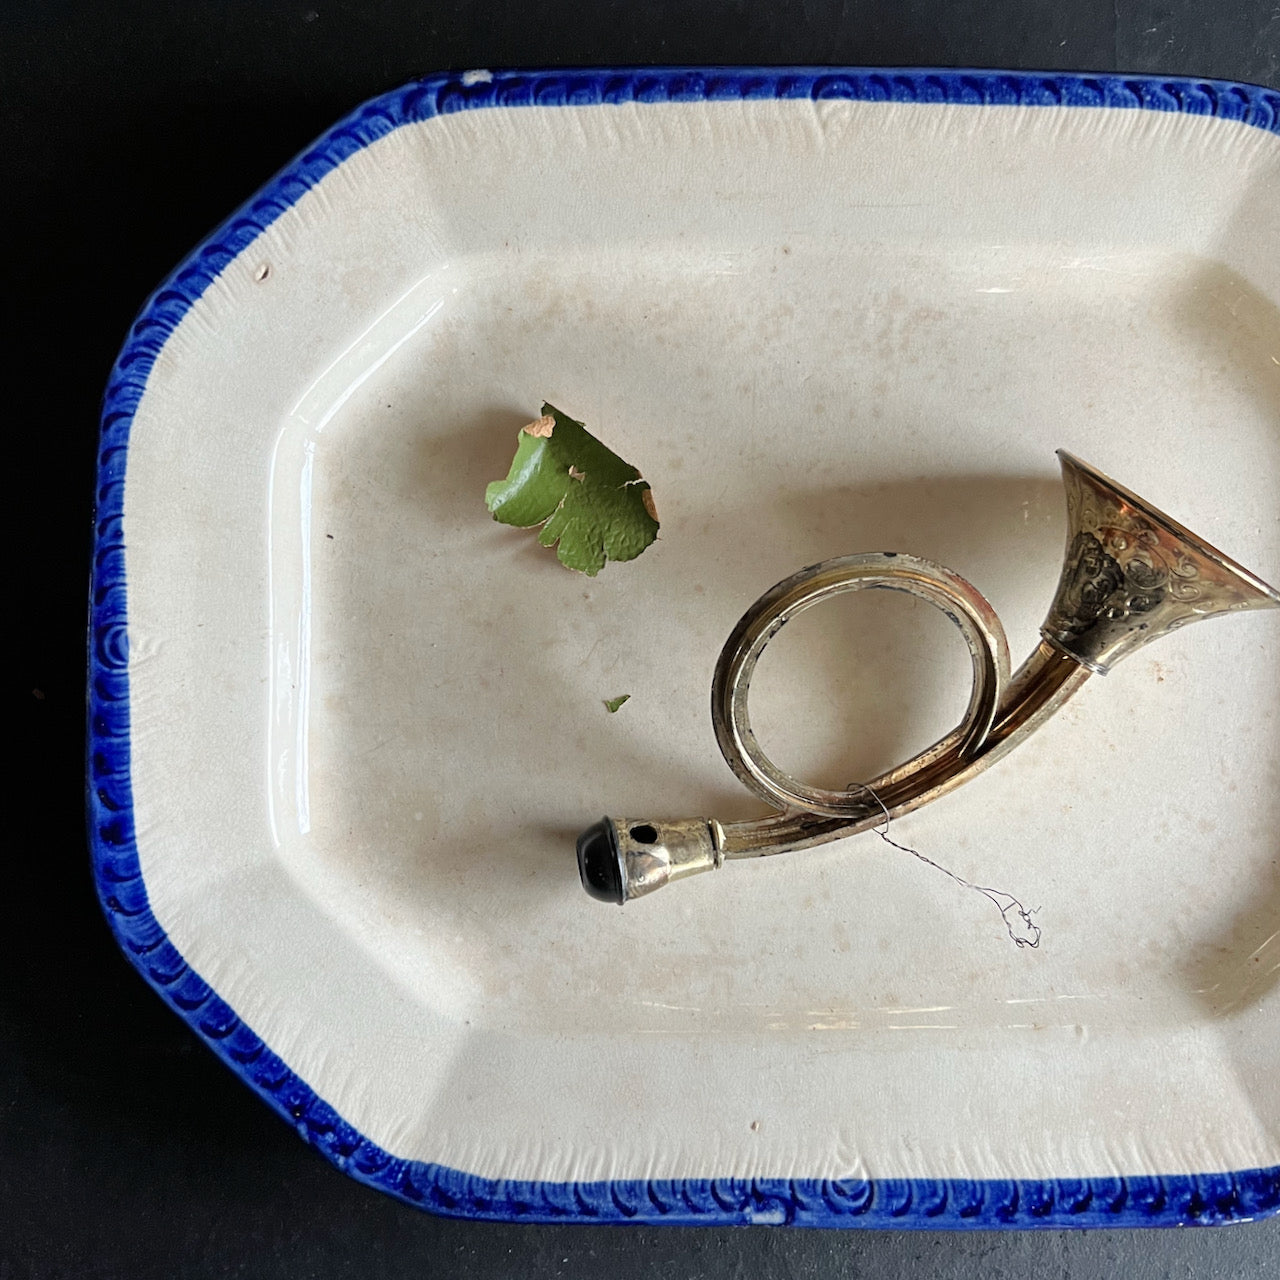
column 599, row 864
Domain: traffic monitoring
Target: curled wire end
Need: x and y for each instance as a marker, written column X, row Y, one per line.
column 1022, row 930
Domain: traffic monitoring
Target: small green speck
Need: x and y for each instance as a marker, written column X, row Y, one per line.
column 612, row 704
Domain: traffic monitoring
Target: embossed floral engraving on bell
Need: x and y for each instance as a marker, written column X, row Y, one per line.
column 1131, row 573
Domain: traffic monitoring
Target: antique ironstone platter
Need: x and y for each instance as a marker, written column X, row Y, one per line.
column 344, row 727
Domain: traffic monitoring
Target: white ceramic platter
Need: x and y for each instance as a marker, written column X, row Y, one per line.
column 345, row 727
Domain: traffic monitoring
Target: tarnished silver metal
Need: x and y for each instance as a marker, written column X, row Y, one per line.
column 655, row 853
column 885, row 571
column 1130, row 574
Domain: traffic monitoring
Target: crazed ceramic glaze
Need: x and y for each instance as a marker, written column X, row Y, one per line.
column 343, row 728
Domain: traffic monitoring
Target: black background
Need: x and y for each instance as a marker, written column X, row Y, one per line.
column 130, row 129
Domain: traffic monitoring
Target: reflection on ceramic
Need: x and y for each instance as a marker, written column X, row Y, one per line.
column 345, row 727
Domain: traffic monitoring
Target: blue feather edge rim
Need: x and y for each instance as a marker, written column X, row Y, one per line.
column 1179, row 1200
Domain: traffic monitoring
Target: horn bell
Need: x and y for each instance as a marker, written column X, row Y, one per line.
column 1132, row 574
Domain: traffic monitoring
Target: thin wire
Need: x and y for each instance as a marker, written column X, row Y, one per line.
column 1005, row 903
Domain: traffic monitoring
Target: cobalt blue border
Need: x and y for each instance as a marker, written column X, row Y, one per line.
column 1096, row 1202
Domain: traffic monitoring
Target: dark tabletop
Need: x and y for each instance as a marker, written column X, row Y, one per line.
column 126, row 1149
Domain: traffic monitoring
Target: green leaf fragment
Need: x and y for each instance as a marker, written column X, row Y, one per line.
column 592, row 504
column 612, row 704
